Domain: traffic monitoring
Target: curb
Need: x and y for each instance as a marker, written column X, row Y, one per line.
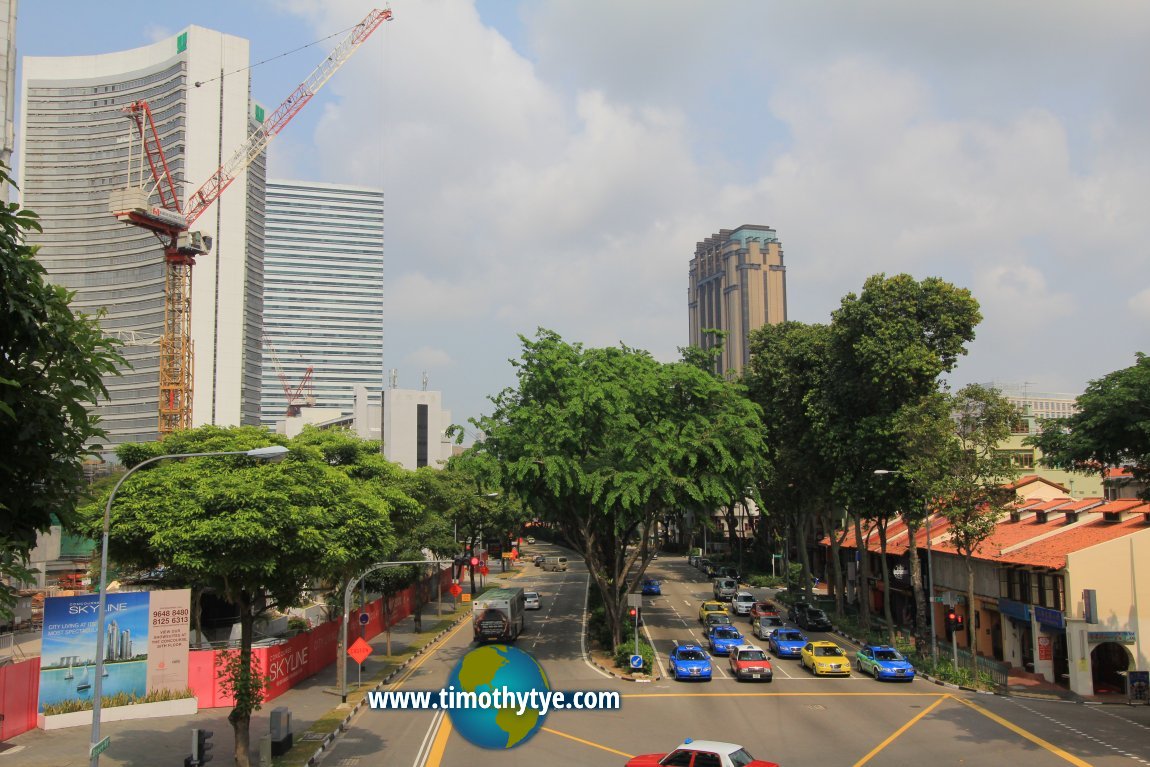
column 624, row 677
column 345, row 723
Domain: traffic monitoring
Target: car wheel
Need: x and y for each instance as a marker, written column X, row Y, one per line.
column 858, row 666
column 876, row 673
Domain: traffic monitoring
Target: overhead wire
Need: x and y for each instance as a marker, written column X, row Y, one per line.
column 273, row 58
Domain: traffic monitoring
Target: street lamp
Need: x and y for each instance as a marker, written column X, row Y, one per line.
column 272, row 453
column 929, row 569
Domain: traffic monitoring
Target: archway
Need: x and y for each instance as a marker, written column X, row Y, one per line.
column 1107, row 660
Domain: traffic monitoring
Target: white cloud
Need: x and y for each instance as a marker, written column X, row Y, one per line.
column 1139, row 305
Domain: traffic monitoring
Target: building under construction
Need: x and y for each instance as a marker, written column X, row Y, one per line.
column 75, row 144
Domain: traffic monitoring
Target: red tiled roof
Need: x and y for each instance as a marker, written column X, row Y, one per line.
column 1052, row 551
column 1030, row 479
column 1118, row 472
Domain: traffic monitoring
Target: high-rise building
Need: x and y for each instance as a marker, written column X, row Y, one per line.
column 74, row 150
column 738, row 283
column 323, row 295
column 7, row 82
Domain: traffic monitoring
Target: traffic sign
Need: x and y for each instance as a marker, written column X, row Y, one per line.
column 634, row 600
column 363, row 619
column 359, row 651
column 455, row 589
column 636, row 661
column 484, row 570
column 100, row 747
column 940, row 600
column 465, row 598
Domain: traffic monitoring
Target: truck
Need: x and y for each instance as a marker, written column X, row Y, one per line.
column 497, row 615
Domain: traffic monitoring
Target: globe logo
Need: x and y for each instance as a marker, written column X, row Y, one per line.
column 488, row 669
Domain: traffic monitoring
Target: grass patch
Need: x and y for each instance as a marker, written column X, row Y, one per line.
column 119, row 699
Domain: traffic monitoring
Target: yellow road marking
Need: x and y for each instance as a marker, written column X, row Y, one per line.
column 1028, row 735
column 439, row 745
column 900, row 731
column 629, row 696
column 586, row 743
column 407, row 672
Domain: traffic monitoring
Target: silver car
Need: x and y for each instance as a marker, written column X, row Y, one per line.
column 531, row 600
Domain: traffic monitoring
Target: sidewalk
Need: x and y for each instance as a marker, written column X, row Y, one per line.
column 166, row 741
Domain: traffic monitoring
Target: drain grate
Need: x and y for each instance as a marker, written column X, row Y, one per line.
column 313, row 736
column 816, row 707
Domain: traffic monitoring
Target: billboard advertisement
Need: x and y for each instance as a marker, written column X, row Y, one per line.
column 145, row 645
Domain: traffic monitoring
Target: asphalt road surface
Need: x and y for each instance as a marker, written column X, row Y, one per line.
column 796, row 720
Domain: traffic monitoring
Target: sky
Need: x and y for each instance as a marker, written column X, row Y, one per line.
column 552, row 164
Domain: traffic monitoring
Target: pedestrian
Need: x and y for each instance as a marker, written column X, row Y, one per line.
column 418, row 621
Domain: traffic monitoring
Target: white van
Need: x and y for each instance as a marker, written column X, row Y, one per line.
column 742, row 602
column 555, row 564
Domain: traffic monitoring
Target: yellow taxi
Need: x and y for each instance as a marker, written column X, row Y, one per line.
column 711, row 606
column 825, row 658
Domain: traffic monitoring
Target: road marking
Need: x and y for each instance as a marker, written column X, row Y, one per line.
column 900, row 731
column 1083, row 734
column 439, row 745
column 1024, row 733
column 428, row 737
column 426, row 656
column 587, row 743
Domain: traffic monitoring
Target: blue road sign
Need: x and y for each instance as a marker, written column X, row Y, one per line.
column 636, row 661
column 363, row 619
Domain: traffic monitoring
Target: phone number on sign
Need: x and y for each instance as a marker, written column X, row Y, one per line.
column 164, row 617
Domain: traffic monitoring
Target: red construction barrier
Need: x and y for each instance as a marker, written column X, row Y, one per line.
column 307, row 653
column 19, row 697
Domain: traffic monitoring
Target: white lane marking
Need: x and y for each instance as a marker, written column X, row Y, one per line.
column 428, row 738
column 1081, row 733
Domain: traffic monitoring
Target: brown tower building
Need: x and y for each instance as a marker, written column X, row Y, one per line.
column 737, row 283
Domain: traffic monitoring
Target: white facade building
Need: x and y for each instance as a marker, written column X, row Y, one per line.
column 74, row 142
column 415, row 427
column 7, row 82
column 323, row 294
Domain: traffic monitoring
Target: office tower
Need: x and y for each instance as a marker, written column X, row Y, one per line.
column 323, row 295
column 7, row 81
column 738, row 283
column 75, row 142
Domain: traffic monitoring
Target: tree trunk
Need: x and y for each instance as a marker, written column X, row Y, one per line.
column 837, row 571
column 241, row 716
column 804, row 559
column 970, row 607
column 197, row 605
column 886, row 614
column 863, row 574
column 921, row 620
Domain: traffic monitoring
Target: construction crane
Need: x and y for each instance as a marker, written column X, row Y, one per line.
column 171, row 222
column 297, row 396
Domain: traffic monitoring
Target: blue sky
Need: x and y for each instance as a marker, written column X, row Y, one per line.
column 553, row 163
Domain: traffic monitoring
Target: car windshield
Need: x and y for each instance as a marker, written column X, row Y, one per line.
column 650, row 582
column 714, row 607
column 788, row 636
column 740, row 758
column 531, row 595
column 752, row 655
column 725, row 633
column 770, row 620
column 744, row 598
column 690, row 655
column 815, row 614
column 887, row 655
column 828, row 651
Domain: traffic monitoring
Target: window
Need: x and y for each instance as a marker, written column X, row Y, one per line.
column 705, row 759
column 678, row 759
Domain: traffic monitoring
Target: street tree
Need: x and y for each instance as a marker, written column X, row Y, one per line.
column 979, row 487
column 53, row 364
column 787, row 369
column 1111, row 427
column 255, row 533
column 888, row 348
column 601, row 442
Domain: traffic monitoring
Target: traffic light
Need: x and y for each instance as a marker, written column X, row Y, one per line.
column 201, row 747
column 474, row 561
column 959, row 623
column 951, row 622
column 633, row 612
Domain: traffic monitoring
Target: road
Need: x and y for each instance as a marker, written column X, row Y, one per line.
column 796, row 720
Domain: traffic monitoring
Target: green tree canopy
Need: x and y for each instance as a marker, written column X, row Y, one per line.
column 601, row 441
column 1110, row 429
column 256, row 533
column 51, row 366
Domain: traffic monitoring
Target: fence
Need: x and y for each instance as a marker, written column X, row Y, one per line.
column 988, row 667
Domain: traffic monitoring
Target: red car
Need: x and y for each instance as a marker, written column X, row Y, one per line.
column 750, row 662
column 759, row 609
column 702, row 753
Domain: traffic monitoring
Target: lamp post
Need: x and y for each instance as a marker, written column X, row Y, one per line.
column 929, row 569
column 272, row 453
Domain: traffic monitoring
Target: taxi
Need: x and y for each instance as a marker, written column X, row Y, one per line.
column 825, row 658
column 711, row 606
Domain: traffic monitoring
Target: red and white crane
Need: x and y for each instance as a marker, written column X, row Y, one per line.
column 172, row 223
